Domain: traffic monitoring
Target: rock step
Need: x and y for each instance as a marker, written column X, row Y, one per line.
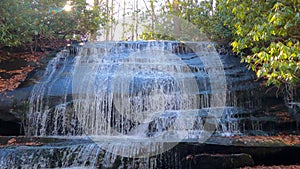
column 216, row 161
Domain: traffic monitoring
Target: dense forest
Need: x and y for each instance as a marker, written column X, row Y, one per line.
column 264, row 33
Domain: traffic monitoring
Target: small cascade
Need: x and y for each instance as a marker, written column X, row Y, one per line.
column 49, row 100
column 80, row 153
column 229, row 124
column 69, row 154
column 52, row 155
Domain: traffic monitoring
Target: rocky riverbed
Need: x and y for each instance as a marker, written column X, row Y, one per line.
column 225, row 152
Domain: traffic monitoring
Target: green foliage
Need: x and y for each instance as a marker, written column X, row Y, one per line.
column 25, row 20
column 199, row 15
column 155, row 36
column 266, row 34
column 209, row 21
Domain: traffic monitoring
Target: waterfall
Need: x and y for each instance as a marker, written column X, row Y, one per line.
column 136, row 99
column 118, row 88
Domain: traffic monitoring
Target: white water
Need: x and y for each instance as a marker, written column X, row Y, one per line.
column 51, row 156
column 116, row 91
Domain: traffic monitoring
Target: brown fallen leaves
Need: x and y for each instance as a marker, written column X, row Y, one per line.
column 13, row 142
column 17, row 76
column 31, row 57
column 289, row 140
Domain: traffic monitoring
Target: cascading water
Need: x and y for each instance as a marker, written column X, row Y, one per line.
column 66, row 154
column 123, row 89
column 179, row 82
column 48, row 113
column 150, row 93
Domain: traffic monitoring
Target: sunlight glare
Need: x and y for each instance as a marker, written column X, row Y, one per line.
column 68, row 6
column 90, row 4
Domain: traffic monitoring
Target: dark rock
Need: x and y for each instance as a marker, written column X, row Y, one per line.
column 13, row 104
column 10, row 128
column 216, row 161
column 13, row 64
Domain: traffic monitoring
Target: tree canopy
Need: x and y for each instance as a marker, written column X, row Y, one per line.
column 24, row 22
column 264, row 33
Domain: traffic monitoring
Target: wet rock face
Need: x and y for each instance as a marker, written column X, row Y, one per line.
column 13, row 106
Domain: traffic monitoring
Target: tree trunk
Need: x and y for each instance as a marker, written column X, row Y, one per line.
column 177, row 28
column 153, row 18
column 111, row 23
column 107, row 30
column 124, row 20
column 136, row 19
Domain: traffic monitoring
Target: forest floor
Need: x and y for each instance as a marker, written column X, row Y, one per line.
column 17, row 63
column 15, row 66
